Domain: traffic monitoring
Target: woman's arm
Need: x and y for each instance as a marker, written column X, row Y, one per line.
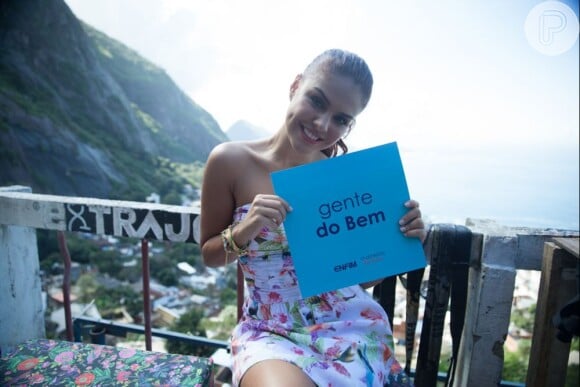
column 228, row 168
column 217, row 203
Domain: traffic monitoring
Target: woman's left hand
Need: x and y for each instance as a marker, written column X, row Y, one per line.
column 412, row 224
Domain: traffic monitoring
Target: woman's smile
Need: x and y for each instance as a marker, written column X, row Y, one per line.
column 311, row 136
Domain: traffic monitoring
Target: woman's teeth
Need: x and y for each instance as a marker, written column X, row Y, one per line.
column 310, row 135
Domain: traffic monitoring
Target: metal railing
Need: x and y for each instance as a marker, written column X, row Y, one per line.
column 146, row 221
column 97, row 328
column 491, row 263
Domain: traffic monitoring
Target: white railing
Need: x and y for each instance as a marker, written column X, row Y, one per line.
column 494, row 261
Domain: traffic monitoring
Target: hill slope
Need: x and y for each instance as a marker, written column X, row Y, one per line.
column 81, row 114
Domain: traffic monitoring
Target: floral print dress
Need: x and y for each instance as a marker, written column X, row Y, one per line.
column 338, row 338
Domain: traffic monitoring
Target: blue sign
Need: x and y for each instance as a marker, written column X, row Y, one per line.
column 344, row 228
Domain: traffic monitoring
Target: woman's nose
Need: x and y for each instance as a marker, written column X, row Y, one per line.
column 322, row 123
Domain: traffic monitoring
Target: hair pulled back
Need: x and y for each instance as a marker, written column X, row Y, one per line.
column 348, row 64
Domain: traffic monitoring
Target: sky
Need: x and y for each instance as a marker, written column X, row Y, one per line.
column 481, row 96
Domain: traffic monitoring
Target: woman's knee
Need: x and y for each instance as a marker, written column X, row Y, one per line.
column 275, row 373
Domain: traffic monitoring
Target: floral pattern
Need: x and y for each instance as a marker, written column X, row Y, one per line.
column 62, row 363
column 339, row 338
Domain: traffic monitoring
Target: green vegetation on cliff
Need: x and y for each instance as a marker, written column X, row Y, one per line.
column 83, row 115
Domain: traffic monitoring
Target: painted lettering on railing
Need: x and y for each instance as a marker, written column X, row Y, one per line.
column 133, row 222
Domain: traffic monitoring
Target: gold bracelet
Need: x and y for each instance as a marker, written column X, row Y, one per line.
column 229, row 243
column 238, row 250
column 225, row 245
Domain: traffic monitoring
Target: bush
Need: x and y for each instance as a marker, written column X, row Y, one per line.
column 515, row 364
column 189, row 323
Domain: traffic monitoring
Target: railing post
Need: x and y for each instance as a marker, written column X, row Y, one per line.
column 549, row 355
column 491, row 290
column 436, row 306
column 462, row 367
column 22, row 315
column 450, row 256
column 66, row 285
column 97, row 334
column 78, row 330
column 146, row 293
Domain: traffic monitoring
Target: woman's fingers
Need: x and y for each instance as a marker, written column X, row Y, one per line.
column 273, row 202
column 412, row 215
column 411, row 224
column 412, row 204
column 414, row 224
column 271, row 209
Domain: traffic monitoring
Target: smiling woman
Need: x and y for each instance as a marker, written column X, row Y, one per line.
column 283, row 338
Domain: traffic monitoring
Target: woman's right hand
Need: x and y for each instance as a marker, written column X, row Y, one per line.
column 265, row 211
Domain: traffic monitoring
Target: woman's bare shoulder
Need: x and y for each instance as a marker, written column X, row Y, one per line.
column 234, row 153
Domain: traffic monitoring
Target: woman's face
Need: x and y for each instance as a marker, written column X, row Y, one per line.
column 322, row 109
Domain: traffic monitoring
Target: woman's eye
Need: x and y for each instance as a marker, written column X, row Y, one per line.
column 317, row 102
column 342, row 121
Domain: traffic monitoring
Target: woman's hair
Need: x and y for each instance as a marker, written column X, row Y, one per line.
column 347, row 64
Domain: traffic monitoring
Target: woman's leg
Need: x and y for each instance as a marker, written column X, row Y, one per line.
column 275, row 373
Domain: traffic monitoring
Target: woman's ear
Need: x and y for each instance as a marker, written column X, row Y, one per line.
column 294, row 85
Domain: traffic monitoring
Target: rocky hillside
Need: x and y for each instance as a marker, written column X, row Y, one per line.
column 81, row 114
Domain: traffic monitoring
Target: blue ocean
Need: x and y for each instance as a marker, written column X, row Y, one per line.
column 527, row 187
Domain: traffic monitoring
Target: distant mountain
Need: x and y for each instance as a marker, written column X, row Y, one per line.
column 244, row 131
column 81, row 114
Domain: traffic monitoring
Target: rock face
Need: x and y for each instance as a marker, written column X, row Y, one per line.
column 81, row 114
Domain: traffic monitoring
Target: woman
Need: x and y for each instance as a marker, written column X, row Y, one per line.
column 337, row 338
